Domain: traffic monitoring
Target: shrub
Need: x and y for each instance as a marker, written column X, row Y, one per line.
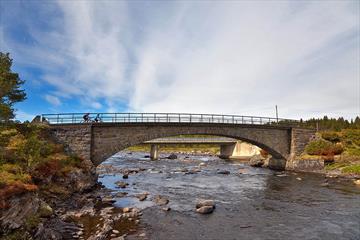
column 323, row 147
column 352, row 135
column 331, row 136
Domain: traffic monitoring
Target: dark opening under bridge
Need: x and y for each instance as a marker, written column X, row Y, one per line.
column 96, row 141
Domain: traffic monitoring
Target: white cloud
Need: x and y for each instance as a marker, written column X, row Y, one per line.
column 53, row 100
column 209, row 57
column 24, row 116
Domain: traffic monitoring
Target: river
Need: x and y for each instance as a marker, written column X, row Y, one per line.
column 251, row 203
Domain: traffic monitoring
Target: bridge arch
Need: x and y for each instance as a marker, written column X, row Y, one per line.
column 97, row 141
column 108, row 139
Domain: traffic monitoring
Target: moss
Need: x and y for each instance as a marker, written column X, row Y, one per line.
column 32, row 221
column 45, row 210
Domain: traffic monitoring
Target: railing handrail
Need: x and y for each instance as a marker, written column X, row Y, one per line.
column 63, row 118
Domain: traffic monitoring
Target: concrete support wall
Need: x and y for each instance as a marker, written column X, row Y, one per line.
column 154, row 152
column 245, row 150
column 227, row 151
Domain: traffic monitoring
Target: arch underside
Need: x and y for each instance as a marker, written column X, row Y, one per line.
column 107, row 141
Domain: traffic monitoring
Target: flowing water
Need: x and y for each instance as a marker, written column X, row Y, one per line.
column 251, row 203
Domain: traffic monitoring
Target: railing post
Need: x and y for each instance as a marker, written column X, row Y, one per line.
column 57, row 120
column 154, row 117
column 128, row 117
column 252, row 120
column 223, row 119
column 233, row 119
column 179, row 118
column 190, row 117
column 142, row 117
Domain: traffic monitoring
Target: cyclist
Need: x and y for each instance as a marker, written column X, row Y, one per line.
column 86, row 117
column 98, row 118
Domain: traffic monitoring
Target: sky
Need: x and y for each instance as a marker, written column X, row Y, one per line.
column 224, row 57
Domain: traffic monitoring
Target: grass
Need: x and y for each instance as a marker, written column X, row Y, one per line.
column 355, row 169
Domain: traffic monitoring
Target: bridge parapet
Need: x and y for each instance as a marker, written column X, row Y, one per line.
column 77, row 118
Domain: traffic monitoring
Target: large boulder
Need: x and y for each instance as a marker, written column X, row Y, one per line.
column 256, row 161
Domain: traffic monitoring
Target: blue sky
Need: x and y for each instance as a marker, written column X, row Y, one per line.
column 231, row 57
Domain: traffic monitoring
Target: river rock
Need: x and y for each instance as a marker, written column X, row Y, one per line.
column 172, row 156
column 121, row 194
column 125, row 176
column 357, row 182
column 225, row 172
column 121, row 184
column 205, row 210
column 108, row 199
column 205, row 202
column 166, row 209
column 161, row 200
column 142, row 196
column 126, row 210
column 256, row 161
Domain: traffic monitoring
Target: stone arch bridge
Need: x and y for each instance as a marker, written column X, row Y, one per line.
column 97, row 141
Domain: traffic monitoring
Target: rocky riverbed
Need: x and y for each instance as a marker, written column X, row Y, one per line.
column 191, row 196
column 249, row 203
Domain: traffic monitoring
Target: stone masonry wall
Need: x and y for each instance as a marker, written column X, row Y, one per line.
column 109, row 139
column 97, row 142
column 77, row 139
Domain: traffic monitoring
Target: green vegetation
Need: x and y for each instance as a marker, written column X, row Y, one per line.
column 352, row 169
column 10, row 92
column 29, row 159
column 340, row 150
column 324, row 148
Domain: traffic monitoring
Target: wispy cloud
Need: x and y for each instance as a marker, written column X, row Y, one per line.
column 53, row 100
column 223, row 57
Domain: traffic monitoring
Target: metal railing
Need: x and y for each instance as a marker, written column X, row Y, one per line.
column 73, row 118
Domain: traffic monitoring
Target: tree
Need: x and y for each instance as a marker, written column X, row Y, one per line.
column 10, row 92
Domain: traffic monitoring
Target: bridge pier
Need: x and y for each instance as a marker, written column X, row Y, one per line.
column 277, row 163
column 227, row 151
column 154, row 152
